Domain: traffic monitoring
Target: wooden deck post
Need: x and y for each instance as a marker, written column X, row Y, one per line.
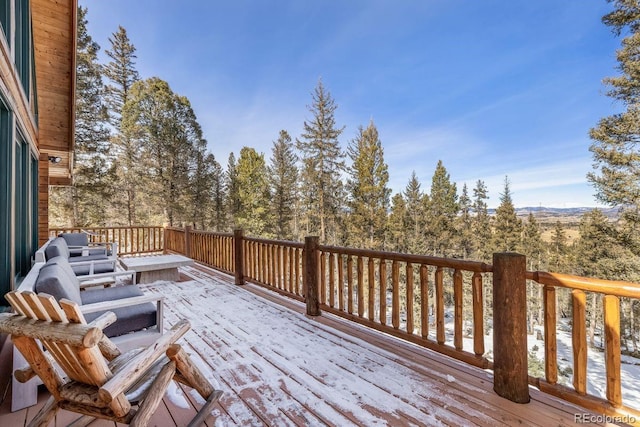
column 310, row 278
column 187, row 241
column 238, row 255
column 510, row 327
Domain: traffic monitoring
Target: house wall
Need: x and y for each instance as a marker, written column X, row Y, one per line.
column 37, row 41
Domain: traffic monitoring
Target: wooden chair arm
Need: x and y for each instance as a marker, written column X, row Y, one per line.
column 136, row 367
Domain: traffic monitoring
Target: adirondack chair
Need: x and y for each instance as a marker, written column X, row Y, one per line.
column 98, row 381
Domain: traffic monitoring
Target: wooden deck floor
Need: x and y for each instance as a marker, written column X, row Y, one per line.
column 278, row 367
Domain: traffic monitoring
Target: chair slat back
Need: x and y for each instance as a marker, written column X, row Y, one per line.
column 85, row 365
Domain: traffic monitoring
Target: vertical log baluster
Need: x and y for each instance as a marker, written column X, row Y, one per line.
column 297, row 271
column 611, row 305
column 383, row 291
column 424, row 301
column 409, row 295
column 457, row 303
column 332, row 279
column 579, row 340
column 323, row 278
column 395, row 294
column 360, row 289
column 286, row 270
column 550, row 338
column 341, row 282
column 478, row 314
column 439, row 305
column 349, row 284
column 372, row 290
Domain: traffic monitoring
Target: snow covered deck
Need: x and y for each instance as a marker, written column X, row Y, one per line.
column 277, row 366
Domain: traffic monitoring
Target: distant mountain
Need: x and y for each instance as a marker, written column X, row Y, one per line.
column 541, row 211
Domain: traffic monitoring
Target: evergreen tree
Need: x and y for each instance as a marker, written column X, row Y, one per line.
column 615, row 138
column 415, row 220
column 201, row 190
column 464, row 235
column 121, row 71
column 481, row 223
column 283, row 180
column 397, row 225
column 231, row 189
column 507, row 226
column 218, row 220
column 253, row 192
column 441, row 212
column 322, row 167
column 165, row 127
column 91, row 190
column 122, row 74
column 532, row 245
column 369, row 194
column 559, row 250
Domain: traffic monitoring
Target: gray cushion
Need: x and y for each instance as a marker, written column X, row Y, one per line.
column 57, row 247
column 53, row 279
column 75, row 239
column 129, row 319
column 81, row 270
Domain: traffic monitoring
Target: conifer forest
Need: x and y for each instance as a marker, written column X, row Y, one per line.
column 141, row 159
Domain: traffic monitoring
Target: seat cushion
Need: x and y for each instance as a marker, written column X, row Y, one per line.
column 75, row 239
column 83, row 270
column 57, row 247
column 55, row 280
column 129, row 319
column 88, row 258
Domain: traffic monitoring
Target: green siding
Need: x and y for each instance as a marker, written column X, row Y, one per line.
column 6, row 145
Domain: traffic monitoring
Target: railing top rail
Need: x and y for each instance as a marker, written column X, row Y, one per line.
column 275, row 242
column 608, row 287
column 474, row 266
column 210, row 233
column 106, row 227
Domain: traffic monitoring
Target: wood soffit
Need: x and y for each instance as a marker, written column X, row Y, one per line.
column 54, row 36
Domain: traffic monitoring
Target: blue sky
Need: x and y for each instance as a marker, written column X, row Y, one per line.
column 492, row 88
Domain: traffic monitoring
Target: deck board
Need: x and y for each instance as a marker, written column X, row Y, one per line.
column 279, row 367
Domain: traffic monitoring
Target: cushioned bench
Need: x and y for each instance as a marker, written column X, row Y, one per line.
column 81, row 265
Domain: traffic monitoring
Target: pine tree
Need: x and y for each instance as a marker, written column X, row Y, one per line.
column 283, row 180
column 218, row 219
column 615, row 138
column 91, row 189
column 122, row 74
column 121, row 71
column 369, row 194
column 481, row 223
column 507, row 226
column 559, row 250
column 532, row 245
column 322, row 167
column 165, row 127
column 397, row 225
column 415, row 208
column 201, row 190
column 464, row 236
column 441, row 211
column 231, row 189
column 253, row 193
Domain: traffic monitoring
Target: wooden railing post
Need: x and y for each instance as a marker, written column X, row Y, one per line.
column 310, row 278
column 510, row 378
column 164, row 240
column 238, row 255
column 187, row 241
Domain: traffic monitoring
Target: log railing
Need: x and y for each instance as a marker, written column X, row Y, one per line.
column 406, row 296
column 610, row 292
column 434, row 302
column 131, row 240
